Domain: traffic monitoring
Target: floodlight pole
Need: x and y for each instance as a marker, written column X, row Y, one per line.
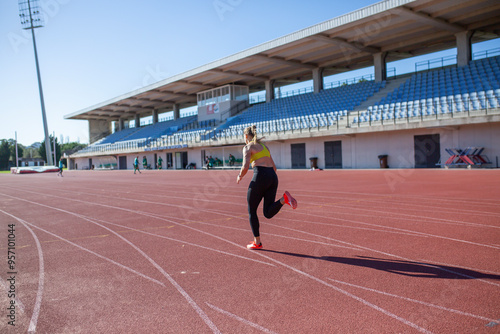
column 44, row 117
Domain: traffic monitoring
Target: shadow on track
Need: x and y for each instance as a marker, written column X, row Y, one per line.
column 400, row 267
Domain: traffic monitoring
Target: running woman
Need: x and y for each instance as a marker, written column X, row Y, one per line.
column 136, row 165
column 264, row 183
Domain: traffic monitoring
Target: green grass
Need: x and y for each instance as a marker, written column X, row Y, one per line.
column 4, row 171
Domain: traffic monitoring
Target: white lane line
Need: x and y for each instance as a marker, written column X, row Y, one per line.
column 305, row 274
column 399, row 230
column 186, row 296
column 375, row 307
column 282, row 236
column 41, row 277
column 402, row 230
column 139, row 213
column 420, row 217
column 414, row 300
column 467, row 276
column 236, row 217
column 348, row 294
column 240, row 319
column 389, row 200
column 180, row 241
column 417, row 197
column 423, row 330
column 309, row 222
column 384, row 253
column 94, row 253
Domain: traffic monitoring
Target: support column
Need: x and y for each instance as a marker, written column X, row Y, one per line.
column 177, row 112
column 269, row 90
column 318, row 79
column 155, row 116
column 137, row 120
column 380, row 66
column 464, row 49
column 121, row 124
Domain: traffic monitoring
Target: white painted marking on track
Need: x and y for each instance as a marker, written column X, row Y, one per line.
column 467, row 276
column 98, row 255
column 404, row 230
column 411, row 233
column 348, row 294
column 420, row 217
column 159, row 217
column 182, row 241
column 186, row 296
column 423, row 330
column 414, row 300
column 240, row 319
column 41, row 276
column 233, row 216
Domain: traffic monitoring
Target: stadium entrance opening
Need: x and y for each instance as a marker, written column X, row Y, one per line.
column 122, row 162
column 333, row 154
column 181, row 160
column 427, row 151
column 298, row 155
column 170, row 161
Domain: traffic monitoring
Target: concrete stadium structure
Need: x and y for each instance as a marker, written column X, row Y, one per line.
column 411, row 118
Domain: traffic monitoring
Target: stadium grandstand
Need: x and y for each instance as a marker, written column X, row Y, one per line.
column 414, row 119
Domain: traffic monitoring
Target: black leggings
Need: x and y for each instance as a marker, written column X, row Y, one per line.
column 264, row 185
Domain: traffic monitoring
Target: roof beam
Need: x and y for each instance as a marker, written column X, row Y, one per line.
column 427, row 19
column 280, row 61
column 170, row 92
column 148, row 100
column 399, row 55
column 198, row 84
column 240, row 75
column 341, row 42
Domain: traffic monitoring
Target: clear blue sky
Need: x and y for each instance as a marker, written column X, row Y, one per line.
column 91, row 51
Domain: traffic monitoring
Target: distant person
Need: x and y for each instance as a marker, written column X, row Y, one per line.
column 160, row 161
column 61, row 166
column 264, row 183
column 144, row 162
column 232, row 159
column 136, row 165
column 208, row 162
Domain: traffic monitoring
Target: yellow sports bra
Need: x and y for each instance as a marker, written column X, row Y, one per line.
column 261, row 154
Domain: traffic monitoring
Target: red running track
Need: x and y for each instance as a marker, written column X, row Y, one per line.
column 367, row 251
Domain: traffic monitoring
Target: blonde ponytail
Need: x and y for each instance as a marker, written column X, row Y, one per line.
column 254, row 131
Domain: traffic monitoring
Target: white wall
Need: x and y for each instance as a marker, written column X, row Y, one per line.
column 359, row 150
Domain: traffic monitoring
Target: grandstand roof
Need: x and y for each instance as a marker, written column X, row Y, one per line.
column 402, row 28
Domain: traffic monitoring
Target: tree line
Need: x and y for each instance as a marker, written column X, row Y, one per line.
column 8, row 151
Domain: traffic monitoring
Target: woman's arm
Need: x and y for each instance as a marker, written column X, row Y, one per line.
column 246, row 163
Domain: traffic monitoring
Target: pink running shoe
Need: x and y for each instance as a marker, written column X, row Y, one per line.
column 253, row 245
column 290, row 200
